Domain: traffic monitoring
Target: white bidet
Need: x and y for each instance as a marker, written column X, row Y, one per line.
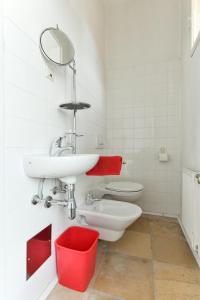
column 109, row 217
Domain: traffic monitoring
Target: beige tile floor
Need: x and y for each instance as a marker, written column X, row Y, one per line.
column 152, row 261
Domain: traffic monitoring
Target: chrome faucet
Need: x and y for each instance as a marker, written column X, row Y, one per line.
column 91, row 198
column 62, row 144
column 61, row 150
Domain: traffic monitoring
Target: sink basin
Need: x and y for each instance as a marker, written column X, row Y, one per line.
column 62, row 167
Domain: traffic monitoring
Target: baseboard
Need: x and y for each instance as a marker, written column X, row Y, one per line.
column 197, row 258
column 48, row 290
column 160, row 215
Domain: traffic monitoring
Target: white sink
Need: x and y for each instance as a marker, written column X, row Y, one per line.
column 62, row 167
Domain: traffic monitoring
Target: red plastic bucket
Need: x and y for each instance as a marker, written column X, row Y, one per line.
column 76, row 251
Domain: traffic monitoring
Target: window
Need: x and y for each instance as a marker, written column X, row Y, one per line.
column 195, row 20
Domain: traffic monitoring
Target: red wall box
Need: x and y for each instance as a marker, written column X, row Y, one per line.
column 76, row 257
column 38, row 250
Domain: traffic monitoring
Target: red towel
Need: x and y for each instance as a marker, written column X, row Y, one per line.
column 107, row 165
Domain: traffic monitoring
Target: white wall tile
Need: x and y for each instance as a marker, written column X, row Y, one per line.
column 143, row 98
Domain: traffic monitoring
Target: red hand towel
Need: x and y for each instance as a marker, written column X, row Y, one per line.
column 107, row 165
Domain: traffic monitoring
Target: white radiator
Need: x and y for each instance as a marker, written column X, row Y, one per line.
column 191, row 208
column 188, row 203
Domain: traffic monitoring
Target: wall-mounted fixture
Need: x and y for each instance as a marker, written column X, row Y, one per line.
column 163, row 155
column 57, row 48
column 63, row 168
column 38, row 250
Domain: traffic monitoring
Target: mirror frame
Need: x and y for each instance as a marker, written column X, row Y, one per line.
column 45, row 54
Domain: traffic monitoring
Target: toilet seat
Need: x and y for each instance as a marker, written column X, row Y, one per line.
column 124, row 186
column 121, row 190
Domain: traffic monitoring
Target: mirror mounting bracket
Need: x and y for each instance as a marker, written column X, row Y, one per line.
column 72, row 66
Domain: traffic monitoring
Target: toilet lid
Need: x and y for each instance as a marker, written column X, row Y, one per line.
column 124, row 186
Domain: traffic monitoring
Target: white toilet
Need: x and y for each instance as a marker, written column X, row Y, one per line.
column 110, row 218
column 122, row 190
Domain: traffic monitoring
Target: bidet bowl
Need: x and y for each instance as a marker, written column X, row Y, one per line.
column 109, row 217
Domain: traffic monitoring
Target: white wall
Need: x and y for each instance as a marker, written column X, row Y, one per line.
column 143, row 74
column 191, row 95
column 32, row 120
column 2, row 169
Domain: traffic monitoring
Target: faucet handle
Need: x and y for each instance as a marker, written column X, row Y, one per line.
column 58, row 141
column 91, row 198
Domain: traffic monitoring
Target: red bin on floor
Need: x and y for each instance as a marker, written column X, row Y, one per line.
column 76, row 251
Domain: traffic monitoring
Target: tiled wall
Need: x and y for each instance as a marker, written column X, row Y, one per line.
column 33, row 120
column 143, row 97
column 139, row 121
